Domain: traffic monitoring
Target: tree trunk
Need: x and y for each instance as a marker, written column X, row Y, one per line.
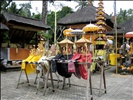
column 44, row 18
column 44, row 11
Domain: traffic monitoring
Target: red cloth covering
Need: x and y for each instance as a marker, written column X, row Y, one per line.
column 83, row 68
column 71, row 67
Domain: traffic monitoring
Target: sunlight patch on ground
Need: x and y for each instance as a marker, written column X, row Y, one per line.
column 121, row 76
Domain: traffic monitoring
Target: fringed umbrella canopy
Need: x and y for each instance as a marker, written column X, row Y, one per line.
column 82, row 41
column 65, row 42
column 129, row 35
column 90, row 28
column 77, row 32
column 67, row 32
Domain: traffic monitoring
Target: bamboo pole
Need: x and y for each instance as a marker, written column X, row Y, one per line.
column 115, row 27
column 55, row 25
column 55, row 28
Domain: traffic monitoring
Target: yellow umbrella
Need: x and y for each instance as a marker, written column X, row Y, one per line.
column 90, row 28
column 82, row 41
column 67, row 32
column 65, row 41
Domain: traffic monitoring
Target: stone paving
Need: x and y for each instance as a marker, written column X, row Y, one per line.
column 119, row 87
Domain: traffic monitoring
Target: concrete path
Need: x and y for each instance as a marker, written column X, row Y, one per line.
column 119, row 87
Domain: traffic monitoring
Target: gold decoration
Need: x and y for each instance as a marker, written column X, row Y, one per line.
column 82, row 41
column 100, row 17
column 65, row 41
column 67, row 32
column 90, row 28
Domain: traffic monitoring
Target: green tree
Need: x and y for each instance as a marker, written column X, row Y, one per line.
column 45, row 14
column 51, row 21
column 63, row 12
column 124, row 15
column 25, row 9
column 37, row 16
column 4, row 4
column 130, row 13
column 83, row 3
column 13, row 8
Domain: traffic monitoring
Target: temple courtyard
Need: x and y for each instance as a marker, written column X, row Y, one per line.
column 119, row 87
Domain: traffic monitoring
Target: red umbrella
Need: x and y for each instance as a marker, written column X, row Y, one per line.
column 129, row 35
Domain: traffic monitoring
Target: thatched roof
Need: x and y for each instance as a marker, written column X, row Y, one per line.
column 24, row 20
column 119, row 32
column 83, row 16
column 127, row 25
column 22, row 29
column 3, row 27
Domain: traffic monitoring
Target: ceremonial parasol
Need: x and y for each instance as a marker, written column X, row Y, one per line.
column 129, row 35
column 90, row 28
column 82, row 41
column 77, row 32
column 65, row 41
column 67, row 32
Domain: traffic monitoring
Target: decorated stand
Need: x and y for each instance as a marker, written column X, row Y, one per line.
column 87, row 52
column 29, row 64
column 126, row 58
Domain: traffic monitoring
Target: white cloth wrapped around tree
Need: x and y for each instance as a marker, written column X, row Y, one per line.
column 110, row 42
column 125, row 46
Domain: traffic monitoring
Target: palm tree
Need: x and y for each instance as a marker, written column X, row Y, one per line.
column 83, row 3
column 124, row 15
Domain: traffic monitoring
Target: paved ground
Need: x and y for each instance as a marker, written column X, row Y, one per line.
column 119, row 87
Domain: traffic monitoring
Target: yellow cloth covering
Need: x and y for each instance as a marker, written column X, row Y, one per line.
column 27, row 59
column 34, row 56
column 32, row 67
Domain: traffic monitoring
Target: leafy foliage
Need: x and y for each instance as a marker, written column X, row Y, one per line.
column 83, row 3
column 51, row 20
column 124, row 15
column 4, row 4
column 25, row 9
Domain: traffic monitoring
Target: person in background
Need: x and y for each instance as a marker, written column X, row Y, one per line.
column 124, row 49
